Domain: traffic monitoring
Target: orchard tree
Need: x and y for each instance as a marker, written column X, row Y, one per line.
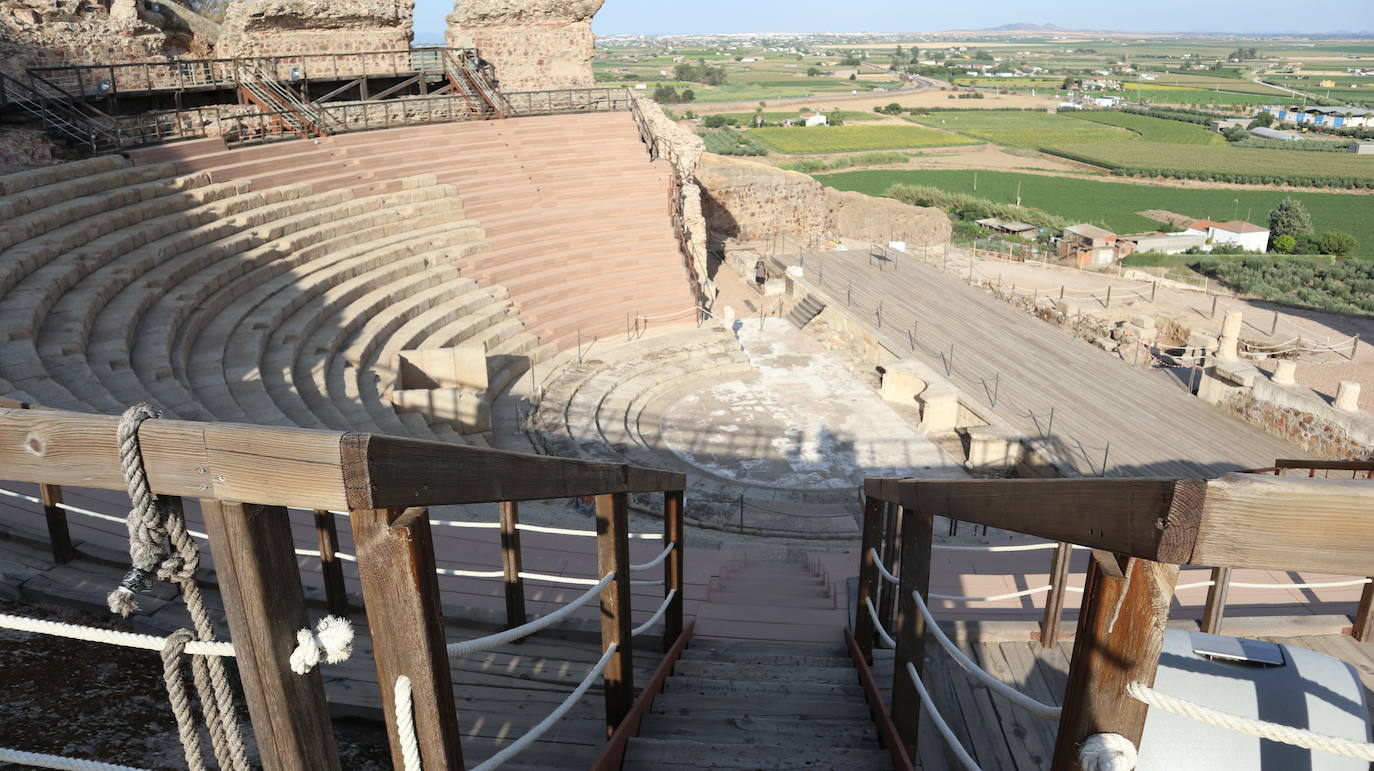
column 1289, row 218
column 1337, row 243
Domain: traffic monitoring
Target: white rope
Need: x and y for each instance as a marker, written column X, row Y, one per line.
column 471, row 573
column 886, row 638
column 939, row 720
column 991, row 598
column 39, row 760
column 109, row 636
column 658, row 614
column 1277, row 732
column 531, row 736
column 882, row 569
column 655, row 562
column 1324, row 585
column 331, row 642
column 405, row 725
column 469, row 647
column 1107, row 752
column 1037, row 708
column 990, row 548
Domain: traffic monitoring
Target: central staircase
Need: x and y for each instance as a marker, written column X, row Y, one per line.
column 742, row 697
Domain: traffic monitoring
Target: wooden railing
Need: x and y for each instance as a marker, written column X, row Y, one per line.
column 246, row 477
column 1140, row 531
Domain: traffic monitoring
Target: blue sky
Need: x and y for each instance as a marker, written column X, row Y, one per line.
column 698, row 16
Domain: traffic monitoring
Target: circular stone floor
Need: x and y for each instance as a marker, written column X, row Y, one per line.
column 805, row 423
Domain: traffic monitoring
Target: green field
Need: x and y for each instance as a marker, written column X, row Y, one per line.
column 1023, row 129
column 1224, row 163
column 848, row 116
column 1153, row 129
column 1114, row 204
column 849, row 139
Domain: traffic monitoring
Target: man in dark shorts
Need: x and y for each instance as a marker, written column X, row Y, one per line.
column 760, row 274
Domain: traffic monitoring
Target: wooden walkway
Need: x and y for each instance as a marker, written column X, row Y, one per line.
column 1142, row 423
column 1005, row 738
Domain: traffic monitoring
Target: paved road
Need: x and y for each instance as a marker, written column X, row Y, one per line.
column 1141, row 423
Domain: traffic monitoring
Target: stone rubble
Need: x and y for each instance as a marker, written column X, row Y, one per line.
column 534, row 45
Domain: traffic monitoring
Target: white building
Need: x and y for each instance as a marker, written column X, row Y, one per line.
column 818, row 120
column 1250, row 237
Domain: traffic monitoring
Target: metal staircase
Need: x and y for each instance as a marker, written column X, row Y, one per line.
column 467, row 76
column 289, row 109
column 66, row 119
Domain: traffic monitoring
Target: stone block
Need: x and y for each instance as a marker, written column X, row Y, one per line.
column 994, row 448
column 463, row 366
column 1238, row 373
column 1285, row 372
column 1348, row 396
column 466, row 410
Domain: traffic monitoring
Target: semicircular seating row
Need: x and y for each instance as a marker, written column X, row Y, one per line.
column 249, row 297
column 611, row 406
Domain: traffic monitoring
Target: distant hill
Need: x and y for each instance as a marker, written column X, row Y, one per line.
column 1024, row 27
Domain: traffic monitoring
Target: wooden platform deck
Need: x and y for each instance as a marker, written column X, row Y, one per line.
column 1141, row 423
column 1001, row 737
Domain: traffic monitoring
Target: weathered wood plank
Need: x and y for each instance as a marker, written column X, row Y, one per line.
column 917, row 536
column 674, row 579
column 1151, row 518
column 1277, row 523
column 1054, row 602
column 613, row 556
column 331, row 567
column 260, row 584
column 511, row 563
column 59, row 537
column 401, row 597
column 1120, row 634
column 1214, row 610
column 868, row 574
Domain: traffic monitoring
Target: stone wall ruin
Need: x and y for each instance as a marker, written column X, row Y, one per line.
column 297, row 27
column 532, row 44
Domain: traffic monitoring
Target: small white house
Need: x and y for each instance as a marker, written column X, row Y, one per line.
column 818, row 120
column 1250, row 237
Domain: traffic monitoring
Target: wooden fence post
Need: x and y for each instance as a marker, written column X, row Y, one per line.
column 1363, row 628
column 887, row 593
column 1120, row 635
column 331, row 567
column 673, row 567
column 613, row 556
column 59, row 536
column 260, row 583
column 917, row 539
column 511, row 563
column 1215, row 609
column 406, row 623
column 1054, row 601
column 868, row 575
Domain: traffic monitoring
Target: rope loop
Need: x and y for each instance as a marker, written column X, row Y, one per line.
column 331, row 642
column 1107, row 752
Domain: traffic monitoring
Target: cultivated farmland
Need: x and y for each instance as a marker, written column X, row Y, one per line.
column 1023, row 129
column 1114, row 204
column 1153, row 129
column 1225, row 164
column 847, row 139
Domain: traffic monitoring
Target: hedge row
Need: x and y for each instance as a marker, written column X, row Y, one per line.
column 968, row 207
column 1298, row 180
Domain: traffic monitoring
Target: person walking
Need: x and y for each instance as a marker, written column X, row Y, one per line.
column 760, row 274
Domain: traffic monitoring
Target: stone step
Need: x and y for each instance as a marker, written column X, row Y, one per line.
column 648, row 753
column 764, row 674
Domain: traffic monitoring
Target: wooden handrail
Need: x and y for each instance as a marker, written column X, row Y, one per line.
column 887, row 731
column 302, row 468
column 612, row 756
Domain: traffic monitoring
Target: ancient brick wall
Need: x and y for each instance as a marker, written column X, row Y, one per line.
column 41, row 33
column 295, row 27
column 532, row 44
column 1320, row 437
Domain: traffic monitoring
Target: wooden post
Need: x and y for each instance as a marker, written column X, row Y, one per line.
column 1215, row 608
column 511, row 562
column 673, row 567
column 255, row 563
column 406, row 623
column 868, row 574
column 613, row 556
column 1363, row 628
column 917, row 539
column 887, row 593
column 1120, row 634
column 59, row 537
column 1054, row 601
column 331, row 567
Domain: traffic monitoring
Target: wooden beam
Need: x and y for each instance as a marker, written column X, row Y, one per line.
column 887, row 593
column 1150, row 518
column 612, row 756
column 673, row 575
column 1362, row 628
column 511, row 564
column 887, row 731
column 331, row 567
column 613, row 556
column 917, row 539
column 406, row 622
column 868, row 574
column 1279, row 523
column 255, row 564
column 1120, row 634
column 59, row 536
column 1215, row 608
column 299, row 468
column 386, row 471
column 1054, row 602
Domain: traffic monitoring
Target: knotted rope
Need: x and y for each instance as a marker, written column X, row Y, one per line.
column 332, row 642
column 1107, row 752
column 161, row 547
